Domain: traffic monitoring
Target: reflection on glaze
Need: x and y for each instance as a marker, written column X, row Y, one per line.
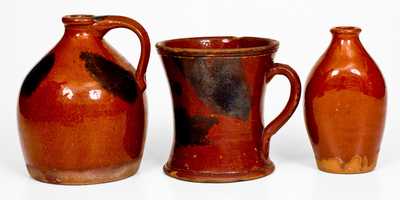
column 67, row 92
column 95, row 94
column 334, row 72
column 355, row 71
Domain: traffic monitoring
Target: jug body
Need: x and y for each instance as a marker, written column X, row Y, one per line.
column 81, row 111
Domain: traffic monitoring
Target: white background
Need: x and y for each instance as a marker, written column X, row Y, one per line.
column 29, row 29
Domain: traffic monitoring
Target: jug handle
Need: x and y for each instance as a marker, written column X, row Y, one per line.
column 104, row 24
column 291, row 105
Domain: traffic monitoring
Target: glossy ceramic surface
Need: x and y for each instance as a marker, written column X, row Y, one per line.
column 345, row 106
column 217, row 86
column 81, row 109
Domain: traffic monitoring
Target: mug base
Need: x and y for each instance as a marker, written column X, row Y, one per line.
column 84, row 177
column 212, row 177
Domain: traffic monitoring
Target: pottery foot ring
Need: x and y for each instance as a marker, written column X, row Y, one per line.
column 84, row 177
column 225, row 177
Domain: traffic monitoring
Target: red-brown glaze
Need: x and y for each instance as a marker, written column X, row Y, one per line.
column 217, row 86
column 345, row 106
column 81, row 110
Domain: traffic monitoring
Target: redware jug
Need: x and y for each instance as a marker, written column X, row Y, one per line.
column 217, row 86
column 345, row 106
column 81, row 111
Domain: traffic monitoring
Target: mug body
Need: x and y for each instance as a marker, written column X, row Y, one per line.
column 217, row 87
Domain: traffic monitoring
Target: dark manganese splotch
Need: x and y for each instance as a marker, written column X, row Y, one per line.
column 176, row 88
column 219, row 82
column 111, row 76
column 192, row 130
column 37, row 74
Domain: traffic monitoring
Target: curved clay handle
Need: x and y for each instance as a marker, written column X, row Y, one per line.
column 106, row 23
column 295, row 93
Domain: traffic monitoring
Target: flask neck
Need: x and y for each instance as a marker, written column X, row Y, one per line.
column 346, row 34
column 345, row 40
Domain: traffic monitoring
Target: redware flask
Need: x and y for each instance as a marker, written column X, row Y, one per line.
column 345, row 106
column 81, row 111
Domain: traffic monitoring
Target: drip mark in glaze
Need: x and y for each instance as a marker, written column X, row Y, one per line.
column 37, row 74
column 192, row 130
column 111, row 76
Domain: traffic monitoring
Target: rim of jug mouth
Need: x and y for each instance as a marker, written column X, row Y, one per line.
column 78, row 19
column 217, row 46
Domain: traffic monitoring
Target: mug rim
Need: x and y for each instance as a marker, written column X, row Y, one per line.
column 266, row 46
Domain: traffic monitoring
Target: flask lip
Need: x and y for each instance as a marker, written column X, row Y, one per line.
column 79, row 19
column 345, row 30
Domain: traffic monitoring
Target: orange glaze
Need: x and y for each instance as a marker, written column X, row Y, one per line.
column 81, row 111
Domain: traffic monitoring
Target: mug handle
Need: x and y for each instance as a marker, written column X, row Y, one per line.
column 283, row 117
column 104, row 24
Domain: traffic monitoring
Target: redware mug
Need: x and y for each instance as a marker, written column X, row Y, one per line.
column 217, row 86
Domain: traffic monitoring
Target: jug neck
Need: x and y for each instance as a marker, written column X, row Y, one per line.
column 79, row 26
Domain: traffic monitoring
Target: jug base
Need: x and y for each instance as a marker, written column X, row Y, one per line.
column 356, row 165
column 210, row 177
column 84, row 177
